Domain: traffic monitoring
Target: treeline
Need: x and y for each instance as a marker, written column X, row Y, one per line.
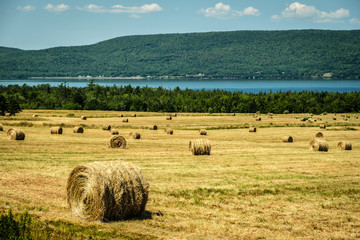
column 127, row 98
column 295, row 54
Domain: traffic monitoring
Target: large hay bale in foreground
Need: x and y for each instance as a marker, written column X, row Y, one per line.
column 153, row 127
column 200, row 147
column 252, row 129
column 319, row 145
column 345, row 145
column 117, row 142
column 106, row 127
column 78, row 130
column 83, row 117
column 319, row 135
column 135, row 135
column 203, row 132
column 56, row 130
column 15, row 134
column 169, row 131
column 322, row 126
column 114, row 132
column 107, row 191
column 287, row 139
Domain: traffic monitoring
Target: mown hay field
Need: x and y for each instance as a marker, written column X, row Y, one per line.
column 252, row 186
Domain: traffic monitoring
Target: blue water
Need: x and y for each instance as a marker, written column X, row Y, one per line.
column 253, row 86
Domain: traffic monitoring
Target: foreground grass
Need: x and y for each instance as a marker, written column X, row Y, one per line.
column 252, row 186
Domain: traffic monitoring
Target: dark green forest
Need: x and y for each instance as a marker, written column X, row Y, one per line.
column 127, row 98
column 295, row 54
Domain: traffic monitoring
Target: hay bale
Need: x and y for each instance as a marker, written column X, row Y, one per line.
column 153, row 127
column 56, row 130
column 319, row 145
column 106, row 127
column 169, row 118
column 203, row 132
column 133, row 115
column 174, row 115
column 322, row 126
column 83, row 117
column 319, row 135
column 15, row 134
column 117, row 142
column 35, row 115
column 107, row 191
column 310, row 121
column 121, row 115
column 1, row 127
column 287, row 139
column 125, row 120
column 258, row 119
column 169, row 131
column 347, row 116
column 200, row 147
column 345, row 145
column 334, row 118
column 135, row 135
column 252, row 129
column 78, row 130
column 114, row 132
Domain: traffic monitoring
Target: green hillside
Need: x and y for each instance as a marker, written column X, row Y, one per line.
column 296, row 54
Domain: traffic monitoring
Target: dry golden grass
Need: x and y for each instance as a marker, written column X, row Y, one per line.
column 252, row 186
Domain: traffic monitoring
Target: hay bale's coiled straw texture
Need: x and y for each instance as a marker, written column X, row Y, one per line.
column 319, row 135
column 15, row 134
column 319, row 145
column 78, row 130
column 117, row 142
column 107, row 191
column 153, row 127
column 345, row 145
column 135, row 135
column 56, row 130
column 287, row 139
column 106, row 127
column 200, row 147
column 203, row 132
column 114, row 132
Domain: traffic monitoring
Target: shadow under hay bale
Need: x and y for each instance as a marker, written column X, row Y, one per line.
column 117, row 142
column 15, row 134
column 319, row 145
column 322, row 126
column 287, row 139
column 107, row 191
column 83, row 117
column 135, row 135
column 169, row 118
column 78, row 130
column 56, row 130
column 169, row 131
column 345, row 145
column 106, row 127
column 114, row 132
column 253, row 129
column 200, row 147
column 153, row 127
column 203, row 132
column 125, row 120
column 319, row 135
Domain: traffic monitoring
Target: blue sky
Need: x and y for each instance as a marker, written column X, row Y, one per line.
column 39, row 24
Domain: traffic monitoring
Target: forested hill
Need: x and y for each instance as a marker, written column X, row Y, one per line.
column 296, row 54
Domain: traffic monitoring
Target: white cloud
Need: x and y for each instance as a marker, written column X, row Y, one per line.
column 57, row 9
column 27, row 8
column 223, row 11
column 93, row 8
column 301, row 11
column 133, row 11
column 355, row 21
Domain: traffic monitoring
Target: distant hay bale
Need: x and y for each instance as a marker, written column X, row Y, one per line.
column 121, row 115
column 153, row 127
column 83, row 117
column 133, row 115
column 319, row 145
column 35, row 115
column 203, row 132
column 78, row 130
column 258, row 119
column 169, row 131
column 342, row 115
column 322, row 126
column 252, row 129
column 345, row 145
column 106, row 127
column 174, row 115
column 56, row 130
column 200, row 147
column 169, row 118
column 125, row 120
column 117, row 142
column 310, row 121
column 319, row 135
column 107, row 191
column 334, row 118
column 271, row 117
column 347, row 116
column 15, row 134
column 114, row 132
column 1, row 127
column 135, row 135
column 287, row 139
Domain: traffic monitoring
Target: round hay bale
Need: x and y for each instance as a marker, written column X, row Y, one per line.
column 319, row 145
column 334, row 118
column 135, row 135
column 78, row 130
column 169, row 118
column 114, row 132
column 258, row 119
column 287, row 139
column 252, row 129
column 203, row 132
column 121, row 115
column 56, row 130
column 200, row 147
column 83, row 117
column 133, row 115
column 153, row 127
column 15, row 134
column 174, row 115
column 169, row 131
column 125, row 120
column 107, row 191
column 310, row 121
column 345, row 145
column 319, row 135
column 35, row 115
column 106, row 127
column 322, row 126
column 1, row 127
column 117, row 142
column 347, row 116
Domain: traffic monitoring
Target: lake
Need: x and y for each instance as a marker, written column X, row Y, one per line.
column 252, row 86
